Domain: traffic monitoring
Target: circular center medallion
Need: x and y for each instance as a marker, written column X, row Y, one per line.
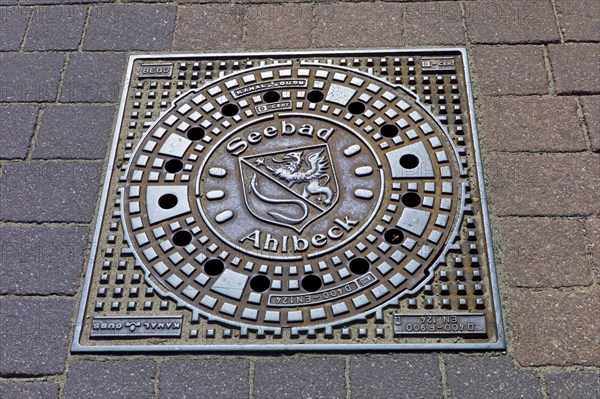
column 297, row 195
column 308, row 185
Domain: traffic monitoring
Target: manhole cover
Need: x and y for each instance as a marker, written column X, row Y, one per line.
column 304, row 201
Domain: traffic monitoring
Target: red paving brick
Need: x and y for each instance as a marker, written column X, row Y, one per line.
column 556, row 327
column 279, row 26
column 591, row 110
column 534, row 253
column 359, row 25
column 547, row 185
column 516, row 70
column 434, row 23
column 517, row 124
column 576, row 67
column 579, row 19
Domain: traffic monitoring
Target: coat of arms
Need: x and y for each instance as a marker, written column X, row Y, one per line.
column 290, row 188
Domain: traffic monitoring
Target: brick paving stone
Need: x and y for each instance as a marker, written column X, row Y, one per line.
column 593, row 234
column 531, row 124
column 516, row 70
column 30, row 77
column 294, row 378
column 543, row 185
column 434, row 24
column 110, row 379
column 56, row 28
column 490, row 377
column 130, row 27
column 557, row 328
column 579, row 19
column 13, row 24
column 29, row 390
column 544, row 253
column 511, row 21
column 93, row 77
column 221, row 27
column 41, row 260
column 359, row 25
column 591, row 110
column 279, row 26
column 9, row 2
column 576, row 67
column 61, row 2
column 405, row 376
column 16, row 130
column 34, row 335
column 219, row 378
column 573, row 384
column 74, row 132
column 49, row 191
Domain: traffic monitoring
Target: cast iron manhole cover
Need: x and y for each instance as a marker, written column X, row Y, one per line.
column 304, row 201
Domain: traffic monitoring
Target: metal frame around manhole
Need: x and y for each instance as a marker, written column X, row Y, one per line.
column 138, row 297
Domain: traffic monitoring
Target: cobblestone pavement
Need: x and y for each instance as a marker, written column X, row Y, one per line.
column 536, row 67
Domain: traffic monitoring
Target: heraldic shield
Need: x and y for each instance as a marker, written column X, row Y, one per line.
column 290, row 188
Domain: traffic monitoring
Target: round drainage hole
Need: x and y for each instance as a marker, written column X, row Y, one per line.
column 214, row 267
column 311, row 283
column 182, row 238
column 229, row 109
column 195, row 133
column 167, row 201
column 271, row 97
column 173, row 166
column 393, row 236
column 356, row 108
column 260, row 283
column 359, row 266
column 411, row 200
column 409, row 161
column 389, row 130
column 315, row 96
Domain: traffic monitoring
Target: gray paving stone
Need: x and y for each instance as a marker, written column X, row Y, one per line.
column 16, row 130
column 110, row 379
column 490, row 378
column 316, row 378
column 221, row 28
column 49, row 191
column 573, row 384
column 34, row 335
column 218, row 378
column 9, row 2
column 29, row 390
column 56, row 28
column 531, row 124
column 93, row 77
column 579, row 19
column 75, row 132
column 130, row 27
column 13, row 24
column 434, row 23
column 543, row 185
column 397, row 376
column 591, row 110
column 518, row 70
column 576, row 67
column 41, row 260
column 511, row 21
column 30, row 77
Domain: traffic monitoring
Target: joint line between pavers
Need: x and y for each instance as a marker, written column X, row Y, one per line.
column 156, row 380
column 549, row 73
column 543, row 388
column 589, row 253
column 251, row 378
column 86, row 23
column 313, row 28
column 27, row 29
column 36, row 130
column 347, row 377
column 582, row 122
column 557, row 20
column 244, row 27
column 443, row 377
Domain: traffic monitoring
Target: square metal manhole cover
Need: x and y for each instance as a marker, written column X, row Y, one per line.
column 293, row 201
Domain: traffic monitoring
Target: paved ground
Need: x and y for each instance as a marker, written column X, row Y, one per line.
column 537, row 84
